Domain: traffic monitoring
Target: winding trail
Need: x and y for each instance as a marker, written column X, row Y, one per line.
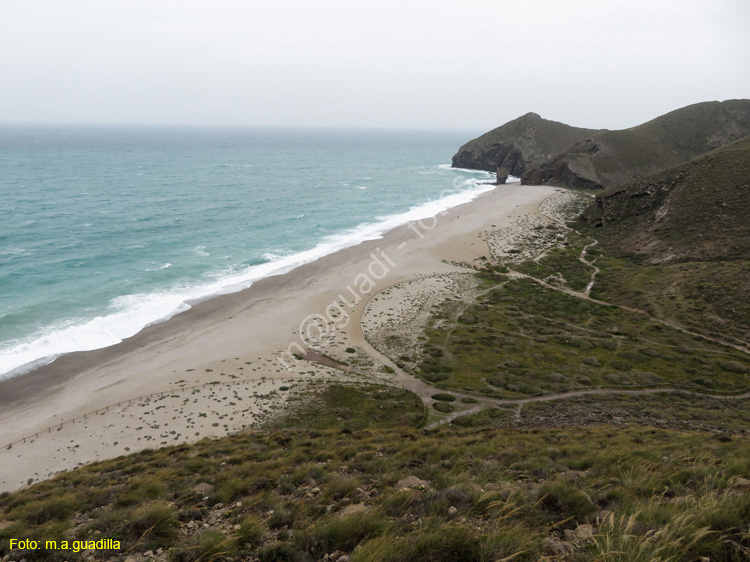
column 425, row 390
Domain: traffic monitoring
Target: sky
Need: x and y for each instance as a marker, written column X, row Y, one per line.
column 411, row 64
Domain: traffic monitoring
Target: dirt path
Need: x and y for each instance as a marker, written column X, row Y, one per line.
column 425, row 391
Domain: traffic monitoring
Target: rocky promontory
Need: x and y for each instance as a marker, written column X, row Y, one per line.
column 519, row 145
column 546, row 152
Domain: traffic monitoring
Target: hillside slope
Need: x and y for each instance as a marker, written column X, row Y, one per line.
column 611, row 158
column 699, row 210
column 321, row 488
column 680, row 243
column 519, row 145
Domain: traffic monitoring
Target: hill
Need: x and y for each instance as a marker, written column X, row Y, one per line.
column 541, row 151
column 696, row 211
column 679, row 242
column 519, row 145
column 611, row 158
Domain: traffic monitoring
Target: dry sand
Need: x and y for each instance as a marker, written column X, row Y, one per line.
column 233, row 340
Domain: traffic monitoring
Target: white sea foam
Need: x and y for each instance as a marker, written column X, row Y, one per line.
column 465, row 170
column 165, row 266
column 129, row 314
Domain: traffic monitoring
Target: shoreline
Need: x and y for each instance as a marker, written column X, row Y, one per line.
column 197, row 293
column 232, row 336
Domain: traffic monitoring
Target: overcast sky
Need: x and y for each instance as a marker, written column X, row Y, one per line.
column 437, row 64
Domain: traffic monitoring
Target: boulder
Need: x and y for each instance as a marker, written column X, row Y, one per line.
column 502, row 175
column 412, row 482
column 203, row 489
column 584, row 532
column 556, row 546
column 353, row 508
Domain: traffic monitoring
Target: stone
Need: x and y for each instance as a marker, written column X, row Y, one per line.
column 354, row 508
column 452, row 510
column 502, row 174
column 556, row 546
column 203, row 489
column 456, row 496
column 343, row 558
column 412, row 482
column 741, row 483
column 584, row 532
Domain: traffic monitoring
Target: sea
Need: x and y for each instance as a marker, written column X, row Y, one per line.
column 106, row 230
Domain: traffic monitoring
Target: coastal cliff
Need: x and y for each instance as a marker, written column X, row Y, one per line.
column 545, row 152
column 519, row 145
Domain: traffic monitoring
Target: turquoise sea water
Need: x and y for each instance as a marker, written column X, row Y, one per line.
column 106, row 230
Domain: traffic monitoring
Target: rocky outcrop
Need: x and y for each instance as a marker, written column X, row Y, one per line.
column 502, row 175
column 540, row 151
column 519, row 145
column 612, row 158
column 699, row 210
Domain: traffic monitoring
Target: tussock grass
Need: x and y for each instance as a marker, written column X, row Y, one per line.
column 648, row 492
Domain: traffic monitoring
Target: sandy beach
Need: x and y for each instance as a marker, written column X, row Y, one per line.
column 230, row 361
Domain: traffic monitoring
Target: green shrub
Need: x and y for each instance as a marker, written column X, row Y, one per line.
column 205, row 547
column 564, row 500
column 733, row 367
column 450, row 543
column 444, row 397
column 281, row 517
column 251, row 532
column 344, row 533
column 59, row 508
column 339, row 488
column 153, row 525
column 232, row 490
column 443, row 407
column 279, row 552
